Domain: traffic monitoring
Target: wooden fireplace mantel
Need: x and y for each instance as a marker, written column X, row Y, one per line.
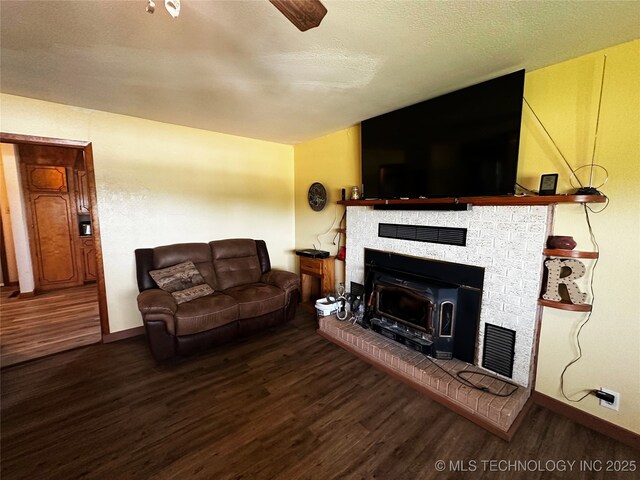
column 482, row 201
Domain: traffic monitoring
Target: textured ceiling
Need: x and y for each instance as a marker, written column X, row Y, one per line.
column 240, row 67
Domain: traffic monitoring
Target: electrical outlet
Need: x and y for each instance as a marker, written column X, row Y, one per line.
column 616, row 401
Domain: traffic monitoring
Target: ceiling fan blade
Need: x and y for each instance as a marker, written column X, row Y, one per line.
column 304, row 14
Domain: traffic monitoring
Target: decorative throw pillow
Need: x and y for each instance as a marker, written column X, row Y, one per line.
column 192, row 293
column 183, row 279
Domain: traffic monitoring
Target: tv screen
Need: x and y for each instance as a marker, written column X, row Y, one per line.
column 464, row 143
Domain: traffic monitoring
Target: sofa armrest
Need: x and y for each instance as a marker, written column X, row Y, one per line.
column 287, row 281
column 156, row 304
column 155, row 300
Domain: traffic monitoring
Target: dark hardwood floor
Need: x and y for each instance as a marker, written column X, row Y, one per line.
column 285, row 404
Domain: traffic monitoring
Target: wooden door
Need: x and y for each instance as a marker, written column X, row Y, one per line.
column 53, row 227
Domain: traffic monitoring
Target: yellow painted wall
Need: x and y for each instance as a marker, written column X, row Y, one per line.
column 159, row 184
column 565, row 97
column 334, row 161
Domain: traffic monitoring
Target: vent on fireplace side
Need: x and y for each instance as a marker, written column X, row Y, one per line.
column 499, row 349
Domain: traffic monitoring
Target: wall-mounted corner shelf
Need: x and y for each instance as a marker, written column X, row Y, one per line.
column 557, row 252
column 572, row 307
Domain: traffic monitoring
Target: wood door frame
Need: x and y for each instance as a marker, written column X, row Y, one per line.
column 95, row 223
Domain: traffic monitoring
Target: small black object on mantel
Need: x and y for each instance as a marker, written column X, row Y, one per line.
column 548, row 184
column 588, row 191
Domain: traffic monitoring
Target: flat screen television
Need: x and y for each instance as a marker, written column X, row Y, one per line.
column 464, row 143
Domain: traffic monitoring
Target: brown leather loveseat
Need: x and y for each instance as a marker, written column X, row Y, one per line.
column 245, row 295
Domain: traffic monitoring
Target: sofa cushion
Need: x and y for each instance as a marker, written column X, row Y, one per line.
column 205, row 313
column 235, row 262
column 256, row 299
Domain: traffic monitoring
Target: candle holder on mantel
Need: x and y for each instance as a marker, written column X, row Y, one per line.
column 561, row 242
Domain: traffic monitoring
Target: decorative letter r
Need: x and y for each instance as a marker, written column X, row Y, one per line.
column 553, row 280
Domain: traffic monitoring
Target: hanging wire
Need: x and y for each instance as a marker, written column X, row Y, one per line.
column 588, row 316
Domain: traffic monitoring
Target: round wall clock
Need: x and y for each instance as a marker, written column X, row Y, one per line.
column 317, row 196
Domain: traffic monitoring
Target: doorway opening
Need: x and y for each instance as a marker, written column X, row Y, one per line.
column 56, row 249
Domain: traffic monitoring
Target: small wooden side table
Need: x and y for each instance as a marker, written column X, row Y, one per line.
column 321, row 268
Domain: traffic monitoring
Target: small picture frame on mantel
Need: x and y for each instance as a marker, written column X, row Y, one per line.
column 548, row 184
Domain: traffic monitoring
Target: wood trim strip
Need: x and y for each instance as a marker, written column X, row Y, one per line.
column 443, row 400
column 122, row 334
column 480, row 201
column 45, row 141
column 97, row 239
column 536, row 349
column 588, row 420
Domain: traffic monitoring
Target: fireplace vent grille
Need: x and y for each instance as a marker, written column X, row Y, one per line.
column 499, row 345
column 421, row 233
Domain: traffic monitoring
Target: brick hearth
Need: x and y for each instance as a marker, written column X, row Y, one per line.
column 496, row 414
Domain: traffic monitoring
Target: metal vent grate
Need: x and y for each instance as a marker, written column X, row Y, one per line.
column 498, row 351
column 420, row 233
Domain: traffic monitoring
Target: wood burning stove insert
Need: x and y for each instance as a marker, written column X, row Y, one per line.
column 430, row 306
column 420, row 315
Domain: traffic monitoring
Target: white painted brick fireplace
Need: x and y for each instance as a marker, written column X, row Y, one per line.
column 507, row 241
